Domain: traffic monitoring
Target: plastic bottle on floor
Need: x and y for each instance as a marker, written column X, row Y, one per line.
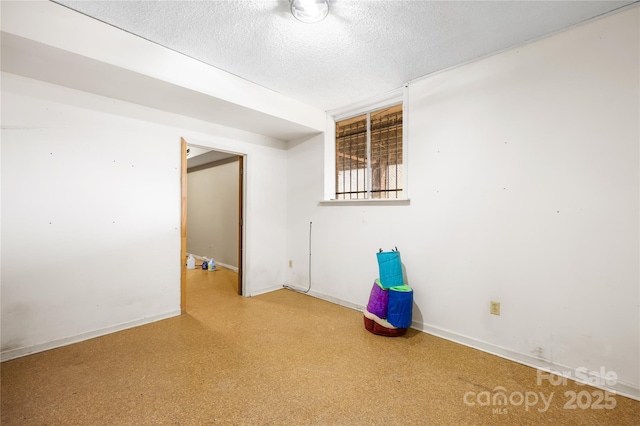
column 191, row 262
column 212, row 265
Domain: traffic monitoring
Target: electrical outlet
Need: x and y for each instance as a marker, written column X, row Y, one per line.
column 494, row 308
column 290, row 263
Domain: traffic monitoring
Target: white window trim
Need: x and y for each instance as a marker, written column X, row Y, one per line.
column 388, row 99
column 367, row 202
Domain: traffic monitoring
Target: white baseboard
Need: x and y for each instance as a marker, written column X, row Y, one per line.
column 265, row 290
column 620, row 388
column 326, row 297
column 223, row 265
column 20, row 352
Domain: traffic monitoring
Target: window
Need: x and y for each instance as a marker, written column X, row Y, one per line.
column 369, row 155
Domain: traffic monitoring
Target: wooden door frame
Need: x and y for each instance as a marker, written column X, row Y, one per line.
column 241, row 184
column 183, row 223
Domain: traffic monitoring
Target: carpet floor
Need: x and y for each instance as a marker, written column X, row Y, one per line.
column 284, row 358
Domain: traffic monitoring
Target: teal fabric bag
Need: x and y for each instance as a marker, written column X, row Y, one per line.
column 390, row 268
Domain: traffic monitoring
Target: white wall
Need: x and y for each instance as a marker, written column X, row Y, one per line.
column 91, row 212
column 212, row 212
column 90, row 221
column 114, row 63
column 524, row 186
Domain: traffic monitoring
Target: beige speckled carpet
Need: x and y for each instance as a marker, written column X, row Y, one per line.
column 282, row 358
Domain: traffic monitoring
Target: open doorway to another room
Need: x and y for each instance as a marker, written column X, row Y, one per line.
column 213, row 199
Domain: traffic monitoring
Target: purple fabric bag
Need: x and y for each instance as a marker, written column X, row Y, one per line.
column 378, row 300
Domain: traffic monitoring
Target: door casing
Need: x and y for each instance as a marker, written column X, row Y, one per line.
column 183, row 224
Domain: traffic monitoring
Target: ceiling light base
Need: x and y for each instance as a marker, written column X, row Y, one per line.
column 309, row 11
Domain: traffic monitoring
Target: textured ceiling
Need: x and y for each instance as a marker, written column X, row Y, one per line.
column 362, row 49
column 198, row 156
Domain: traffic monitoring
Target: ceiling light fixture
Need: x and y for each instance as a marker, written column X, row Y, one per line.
column 309, row 11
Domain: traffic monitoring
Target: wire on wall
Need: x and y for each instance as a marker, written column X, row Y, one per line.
column 308, row 288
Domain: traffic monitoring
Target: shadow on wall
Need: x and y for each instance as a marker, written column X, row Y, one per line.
column 405, row 279
column 417, row 316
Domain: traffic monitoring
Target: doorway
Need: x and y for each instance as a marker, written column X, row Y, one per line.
column 213, row 205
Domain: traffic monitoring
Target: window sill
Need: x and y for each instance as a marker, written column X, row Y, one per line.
column 366, row 202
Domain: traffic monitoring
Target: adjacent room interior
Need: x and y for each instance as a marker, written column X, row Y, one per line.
column 513, row 181
column 213, row 208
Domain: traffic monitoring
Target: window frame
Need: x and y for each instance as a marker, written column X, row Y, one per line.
column 399, row 96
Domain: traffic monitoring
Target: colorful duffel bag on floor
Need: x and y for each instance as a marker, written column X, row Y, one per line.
column 390, row 268
column 380, row 326
column 378, row 300
column 400, row 307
